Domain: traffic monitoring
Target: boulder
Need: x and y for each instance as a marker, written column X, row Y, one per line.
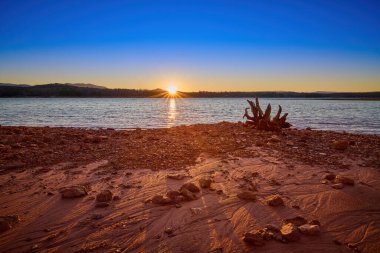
column 340, row 145
column 191, row 187
column 309, row 229
column 247, row 195
column 255, row 237
column 7, row 222
column 344, row 180
column 205, row 182
column 275, row 200
column 104, row 196
column 290, row 232
column 74, row 192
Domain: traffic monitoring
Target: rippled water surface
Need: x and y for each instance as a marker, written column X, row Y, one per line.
column 351, row 116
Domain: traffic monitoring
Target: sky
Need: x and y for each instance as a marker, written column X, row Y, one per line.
column 195, row 45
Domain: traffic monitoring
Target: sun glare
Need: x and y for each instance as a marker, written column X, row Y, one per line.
column 172, row 90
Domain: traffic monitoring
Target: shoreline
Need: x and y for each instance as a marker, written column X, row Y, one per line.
column 142, row 167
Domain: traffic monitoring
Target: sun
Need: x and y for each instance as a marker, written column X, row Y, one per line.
column 172, row 90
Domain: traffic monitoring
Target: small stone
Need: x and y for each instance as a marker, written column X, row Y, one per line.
column 329, row 176
column 274, row 138
column 178, row 205
column 176, row 176
column 255, row 238
column 324, row 182
column 290, row 232
column 196, row 210
column 344, row 180
column 275, row 200
column 337, row 242
column 188, row 195
column 116, row 198
column 308, row 229
column 74, row 192
column 7, row 222
column 169, row 230
column 247, row 195
column 315, row 222
column 161, row 200
column 272, row 228
column 102, row 204
column 298, row 221
column 50, row 193
column 104, row 196
column 340, row 145
column 205, row 182
column 337, row 186
column 191, row 187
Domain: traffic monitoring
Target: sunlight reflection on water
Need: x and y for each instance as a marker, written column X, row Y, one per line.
column 340, row 115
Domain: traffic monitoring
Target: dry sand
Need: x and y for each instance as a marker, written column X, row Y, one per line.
column 36, row 164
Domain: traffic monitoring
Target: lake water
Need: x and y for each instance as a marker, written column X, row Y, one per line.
column 339, row 115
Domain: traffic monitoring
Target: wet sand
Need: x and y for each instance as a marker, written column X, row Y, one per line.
column 139, row 166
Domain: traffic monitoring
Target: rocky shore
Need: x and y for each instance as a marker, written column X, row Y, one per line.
column 202, row 188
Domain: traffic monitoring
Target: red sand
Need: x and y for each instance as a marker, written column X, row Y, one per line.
column 36, row 163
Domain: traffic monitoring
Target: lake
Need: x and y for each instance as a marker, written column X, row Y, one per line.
column 119, row 113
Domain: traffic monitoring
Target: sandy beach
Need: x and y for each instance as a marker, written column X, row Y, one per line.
column 201, row 188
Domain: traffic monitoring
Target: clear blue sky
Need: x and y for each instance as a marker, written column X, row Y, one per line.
column 196, row 45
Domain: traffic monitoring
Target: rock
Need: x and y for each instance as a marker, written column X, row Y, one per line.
column 188, row 195
column 161, row 200
column 337, row 186
column 255, row 237
column 315, row 222
column 104, row 196
column 173, row 194
column 169, row 230
column 274, row 138
column 290, row 232
column 329, row 176
column 344, row 180
column 272, row 228
column 102, row 204
column 74, row 192
column 196, row 210
column 340, row 145
column 324, row 182
column 176, row 176
column 247, row 195
column 205, row 182
column 298, row 221
column 191, row 187
column 275, row 200
column 7, row 222
column 309, row 229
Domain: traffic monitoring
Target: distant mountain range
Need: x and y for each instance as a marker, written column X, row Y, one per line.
column 82, row 85
column 91, row 90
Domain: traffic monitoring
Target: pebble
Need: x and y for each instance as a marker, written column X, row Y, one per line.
column 290, row 232
column 254, row 237
column 247, row 195
column 275, row 200
column 344, row 180
column 7, row 222
column 205, row 182
column 74, row 192
column 104, row 196
column 309, row 229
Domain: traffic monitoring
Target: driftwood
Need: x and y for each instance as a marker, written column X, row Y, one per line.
column 262, row 120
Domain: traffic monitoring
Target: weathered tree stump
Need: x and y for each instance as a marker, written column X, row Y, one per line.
column 263, row 121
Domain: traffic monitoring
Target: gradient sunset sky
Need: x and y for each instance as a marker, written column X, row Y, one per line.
column 195, row 45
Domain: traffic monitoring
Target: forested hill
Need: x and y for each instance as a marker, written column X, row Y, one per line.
column 80, row 90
